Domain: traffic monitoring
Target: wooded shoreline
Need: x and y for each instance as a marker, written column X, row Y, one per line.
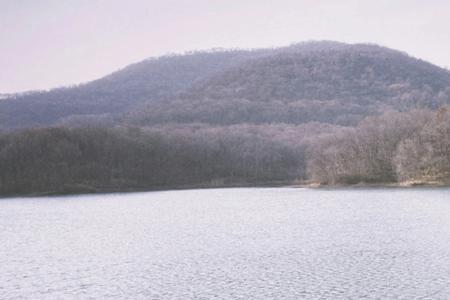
column 394, row 149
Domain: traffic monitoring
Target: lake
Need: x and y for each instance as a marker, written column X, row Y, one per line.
column 242, row 243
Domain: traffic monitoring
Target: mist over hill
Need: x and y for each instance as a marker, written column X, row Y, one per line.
column 329, row 112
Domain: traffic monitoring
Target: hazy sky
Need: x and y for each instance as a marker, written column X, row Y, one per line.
column 49, row 43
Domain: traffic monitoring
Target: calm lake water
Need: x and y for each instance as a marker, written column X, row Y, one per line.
column 252, row 243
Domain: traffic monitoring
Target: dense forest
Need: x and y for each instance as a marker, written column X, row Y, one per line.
column 321, row 112
column 63, row 160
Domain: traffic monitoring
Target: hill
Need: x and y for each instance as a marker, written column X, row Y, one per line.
column 328, row 112
column 148, row 81
column 315, row 81
column 335, row 83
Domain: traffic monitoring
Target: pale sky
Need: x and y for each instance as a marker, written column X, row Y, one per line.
column 51, row 43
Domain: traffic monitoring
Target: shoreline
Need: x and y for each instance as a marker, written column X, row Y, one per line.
column 204, row 186
column 95, row 191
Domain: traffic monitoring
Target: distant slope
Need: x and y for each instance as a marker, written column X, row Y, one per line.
column 148, row 81
column 360, row 71
column 327, row 82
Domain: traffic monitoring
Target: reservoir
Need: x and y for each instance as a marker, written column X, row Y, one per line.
column 237, row 243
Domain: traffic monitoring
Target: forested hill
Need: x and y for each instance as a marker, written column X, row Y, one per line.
column 315, row 81
column 101, row 100
column 335, row 83
column 328, row 112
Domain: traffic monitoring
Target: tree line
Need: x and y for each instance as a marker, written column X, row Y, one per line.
column 394, row 147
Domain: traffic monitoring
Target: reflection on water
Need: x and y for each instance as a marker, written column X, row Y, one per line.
column 228, row 244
